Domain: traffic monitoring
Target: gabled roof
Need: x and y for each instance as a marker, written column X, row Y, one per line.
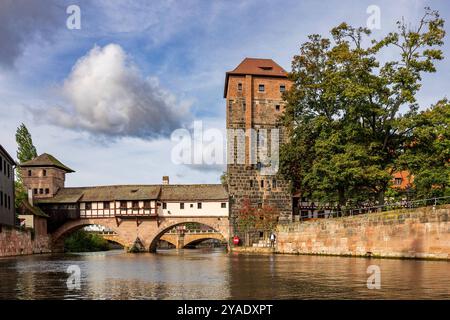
column 193, row 192
column 7, row 155
column 46, row 160
column 255, row 66
column 105, row 193
column 185, row 192
column 124, row 192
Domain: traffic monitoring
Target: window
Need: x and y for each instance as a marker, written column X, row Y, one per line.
column 47, row 191
column 1, row 198
column 192, row 205
column 282, row 88
column 230, row 105
column 88, row 206
column 262, row 183
column 239, row 86
column 35, row 191
column 164, row 205
column 106, row 205
column 398, row 181
column 259, row 205
column 44, row 173
column 223, row 205
column 274, row 183
column 261, row 88
column 123, row 204
column 251, row 183
column 243, row 106
column 1, row 164
column 277, row 107
column 182, row 206
column 9, row 171
column 29, row 173
column 41, row 191
column 147, row 204
column 9, row 202
column 199, row 205
column 135, row 204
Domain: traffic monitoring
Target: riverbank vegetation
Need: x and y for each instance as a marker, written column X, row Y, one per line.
column 82, row 241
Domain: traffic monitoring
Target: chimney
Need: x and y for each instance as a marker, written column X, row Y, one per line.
column 30, row 197
column 165, row 180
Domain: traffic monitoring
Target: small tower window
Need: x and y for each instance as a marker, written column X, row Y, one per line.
column 44, row 173
column 274, row 183
column 262, row 183
column 182, row 206
column 277, row 107
column 251, row 183
column 29, row 173
column 199, row 205
column 261, row 88
column 239, row 86
column 398, row 181
column 282, row 88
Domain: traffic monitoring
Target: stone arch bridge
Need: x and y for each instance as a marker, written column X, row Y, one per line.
column 149, row 231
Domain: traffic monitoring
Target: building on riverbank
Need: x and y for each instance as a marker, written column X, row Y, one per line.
column 7, row 189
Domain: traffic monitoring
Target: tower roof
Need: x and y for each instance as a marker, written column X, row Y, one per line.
column 46, row 160
column 257, row 67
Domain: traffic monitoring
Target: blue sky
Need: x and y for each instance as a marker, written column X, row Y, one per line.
column 164, row 62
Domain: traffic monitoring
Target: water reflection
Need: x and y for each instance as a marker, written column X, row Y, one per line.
column 214, row 274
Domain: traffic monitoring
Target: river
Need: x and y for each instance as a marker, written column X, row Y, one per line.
column 215, row 274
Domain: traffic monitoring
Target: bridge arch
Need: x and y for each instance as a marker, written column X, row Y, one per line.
column 222, row 235
column 69, row 227
column 197, row 239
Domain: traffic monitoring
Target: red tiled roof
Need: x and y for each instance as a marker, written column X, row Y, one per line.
column 258, row 67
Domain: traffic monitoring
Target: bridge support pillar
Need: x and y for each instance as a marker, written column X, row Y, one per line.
column 180, row 241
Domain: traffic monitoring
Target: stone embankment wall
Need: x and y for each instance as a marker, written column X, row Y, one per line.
column 15, row 242
column 418, row 233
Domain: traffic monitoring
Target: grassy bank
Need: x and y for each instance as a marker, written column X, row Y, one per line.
column 82, row 241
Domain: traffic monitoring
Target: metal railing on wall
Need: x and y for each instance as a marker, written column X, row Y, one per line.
column 389, row 206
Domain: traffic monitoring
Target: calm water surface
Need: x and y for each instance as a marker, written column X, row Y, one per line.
column 214, row 274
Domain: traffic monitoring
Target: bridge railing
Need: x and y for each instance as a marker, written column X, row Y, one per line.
column 390, row 206
column 193, row 231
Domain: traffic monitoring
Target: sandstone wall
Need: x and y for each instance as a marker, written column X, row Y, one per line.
column 421, row 233
column 14, row 242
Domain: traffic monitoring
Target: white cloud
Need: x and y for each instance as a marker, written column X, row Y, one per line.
column 107, row 95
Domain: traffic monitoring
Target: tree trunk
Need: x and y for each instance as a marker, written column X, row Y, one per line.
column 381, row 199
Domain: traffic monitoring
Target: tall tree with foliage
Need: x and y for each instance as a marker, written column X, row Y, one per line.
column 343, row 110
column 26, row 150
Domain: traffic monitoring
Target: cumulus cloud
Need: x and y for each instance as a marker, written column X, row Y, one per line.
column 106, row 94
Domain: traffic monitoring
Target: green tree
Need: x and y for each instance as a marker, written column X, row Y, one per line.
column 343, row 111
column 26, row 150
column 427, row 153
